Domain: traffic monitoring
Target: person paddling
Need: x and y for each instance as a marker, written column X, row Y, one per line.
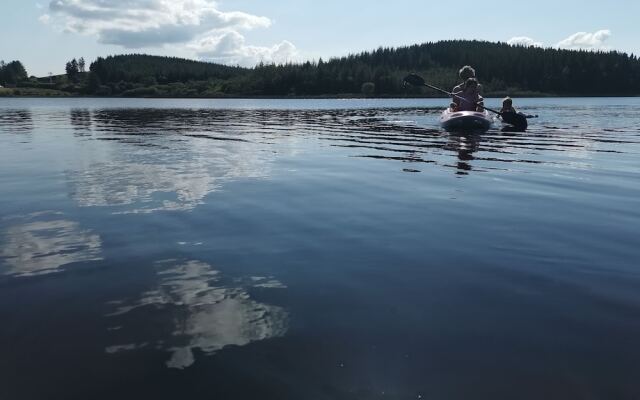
column 469, row 90
column 465, row 73
column 507, row 108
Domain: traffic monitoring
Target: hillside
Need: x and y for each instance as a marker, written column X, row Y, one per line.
column 502, row 69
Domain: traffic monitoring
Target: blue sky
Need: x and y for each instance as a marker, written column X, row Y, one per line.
column 45, row 34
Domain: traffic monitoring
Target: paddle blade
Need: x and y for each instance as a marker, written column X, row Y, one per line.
column 517, row 120
column 414, row 80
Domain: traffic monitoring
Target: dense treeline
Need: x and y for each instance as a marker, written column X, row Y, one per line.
column 122, row 74
column 501, row 68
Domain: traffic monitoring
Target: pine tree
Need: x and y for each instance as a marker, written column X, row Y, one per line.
column 71, row 69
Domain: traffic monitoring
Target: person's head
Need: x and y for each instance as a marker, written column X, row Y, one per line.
column 507, row 102
column 467, row 72
column 470, row 83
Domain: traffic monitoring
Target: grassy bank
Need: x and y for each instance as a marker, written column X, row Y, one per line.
column 32, row 92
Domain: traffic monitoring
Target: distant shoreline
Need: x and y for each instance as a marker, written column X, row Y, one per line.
column 23, row 92
column 52, row 93
column 64, row 95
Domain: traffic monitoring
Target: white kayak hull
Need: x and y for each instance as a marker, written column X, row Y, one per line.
column 465, row 121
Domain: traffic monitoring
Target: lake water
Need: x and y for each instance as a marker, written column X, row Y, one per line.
column 317, row 249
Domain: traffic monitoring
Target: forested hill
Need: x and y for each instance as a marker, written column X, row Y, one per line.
column 501, row 68
column 151, row 70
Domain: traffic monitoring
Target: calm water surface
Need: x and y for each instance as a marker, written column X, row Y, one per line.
column 317, row 249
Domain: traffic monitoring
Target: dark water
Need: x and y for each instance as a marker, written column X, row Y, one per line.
column 317, row 250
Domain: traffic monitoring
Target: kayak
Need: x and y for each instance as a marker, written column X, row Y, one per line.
column 465, row 121
column 517, row 122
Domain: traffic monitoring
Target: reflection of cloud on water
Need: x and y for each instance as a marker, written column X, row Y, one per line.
column 42, row 247
column 142, row 185
column 155, row 178
column 262, row 282
column 205, row 314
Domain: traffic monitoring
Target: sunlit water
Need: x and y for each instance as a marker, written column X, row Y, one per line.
column 317, row 249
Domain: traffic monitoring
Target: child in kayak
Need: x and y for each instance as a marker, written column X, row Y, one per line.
column 469, row 98
column 507, row 106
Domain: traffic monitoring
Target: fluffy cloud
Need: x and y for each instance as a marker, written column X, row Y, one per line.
column 585, row 40
column 198, row 24
column 149, row 23
column 230, row 48
column 579, row 40
column 523, row 41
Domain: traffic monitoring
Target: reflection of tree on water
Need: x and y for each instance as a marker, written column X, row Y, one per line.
column 465, row 145
column 233, row 123
column 81, row 121
column 191, row 308
column 16, row 121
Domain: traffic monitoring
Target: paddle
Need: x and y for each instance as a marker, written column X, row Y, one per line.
column 519, row 121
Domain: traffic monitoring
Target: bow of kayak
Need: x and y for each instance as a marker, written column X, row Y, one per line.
column 465, row 121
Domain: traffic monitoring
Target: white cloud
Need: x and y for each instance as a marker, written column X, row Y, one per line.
column 195, row 24
column 45, row 18
column 149, row 23
column 230, row 48
column 586, row 40
column 523, row 41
